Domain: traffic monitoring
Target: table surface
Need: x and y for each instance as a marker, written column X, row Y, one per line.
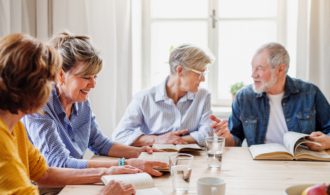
column 242, row 175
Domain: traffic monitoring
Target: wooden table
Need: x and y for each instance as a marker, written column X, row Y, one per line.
column 243, row 175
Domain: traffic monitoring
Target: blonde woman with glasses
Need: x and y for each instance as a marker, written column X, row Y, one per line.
column 175, row 111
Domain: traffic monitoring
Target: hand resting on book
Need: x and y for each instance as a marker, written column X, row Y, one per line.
column 148, row 166
column 118, row 188
column 321, row 138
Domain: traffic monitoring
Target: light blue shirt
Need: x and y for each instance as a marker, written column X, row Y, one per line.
column 153, row 112
column 64, row 141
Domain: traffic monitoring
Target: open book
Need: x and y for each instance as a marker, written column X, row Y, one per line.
column 293, row 149
column 143, row 182
column 158, row 156
column 177, row 148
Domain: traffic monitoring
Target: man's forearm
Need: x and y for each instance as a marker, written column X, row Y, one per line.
column 145, row 140
column 58, row 177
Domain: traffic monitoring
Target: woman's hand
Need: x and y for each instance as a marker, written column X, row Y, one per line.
column 127, row 169
column 148, row 166
column 117, row 188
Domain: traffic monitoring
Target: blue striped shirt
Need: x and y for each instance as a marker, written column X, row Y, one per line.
column 64, row 141
column 153, row 112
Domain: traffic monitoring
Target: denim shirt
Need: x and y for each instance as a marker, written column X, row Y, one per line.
column 305, row 110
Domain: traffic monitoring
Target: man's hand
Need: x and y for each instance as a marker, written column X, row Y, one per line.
column 321, row 138
column 117, row 188
column 127, row 169
column 148, row 166
column 174, row 137
column 220, row 128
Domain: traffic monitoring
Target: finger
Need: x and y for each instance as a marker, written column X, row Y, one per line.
column 129, row 170
column 180, row 141
column 315, row 134
column 214, row 118
column 148, row 149
column 154, row 172
column 158, row 164
column 315, row 147
column 181, row 132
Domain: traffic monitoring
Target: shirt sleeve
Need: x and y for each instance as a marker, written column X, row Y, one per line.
column 322, row 113
column 234, row 124
column 204, row 126
column 44, row 135
column 14, row 177
column 129, row 127
column 98, row 143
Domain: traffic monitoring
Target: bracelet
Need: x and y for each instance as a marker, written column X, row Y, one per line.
column 121, row 162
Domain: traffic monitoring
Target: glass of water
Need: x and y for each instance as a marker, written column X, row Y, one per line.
column 214, row 147
column 181, row 167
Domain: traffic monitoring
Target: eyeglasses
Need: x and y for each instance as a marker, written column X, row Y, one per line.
column 200, row 73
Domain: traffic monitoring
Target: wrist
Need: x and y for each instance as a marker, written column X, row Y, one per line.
column 121, row 162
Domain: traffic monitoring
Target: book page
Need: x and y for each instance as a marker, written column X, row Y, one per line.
column 303, row 153
column 149, row 191
column 96, row 189
column 165, row 147
column 187, row 147
column 271, row 151
column 139, row 180
column 290, row 139
column 81, row 189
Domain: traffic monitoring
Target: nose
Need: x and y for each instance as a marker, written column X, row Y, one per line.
column 202, row 78
column 254, row 73
column 92, row 82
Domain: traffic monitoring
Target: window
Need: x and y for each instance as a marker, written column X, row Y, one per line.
column 231, row 29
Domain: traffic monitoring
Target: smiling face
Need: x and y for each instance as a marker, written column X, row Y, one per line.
column 265, row 78
column 75, row 87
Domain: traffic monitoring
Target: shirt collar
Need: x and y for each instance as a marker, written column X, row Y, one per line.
column 161, row 94
column 58, row 105
column 289, row 88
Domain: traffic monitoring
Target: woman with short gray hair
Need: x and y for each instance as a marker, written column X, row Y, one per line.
column 174, row 112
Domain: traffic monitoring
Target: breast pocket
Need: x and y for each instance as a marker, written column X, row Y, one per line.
column 306, row 121
column 250, row 129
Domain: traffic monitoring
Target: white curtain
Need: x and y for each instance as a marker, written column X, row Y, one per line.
column 108, row 23
column 17, row 16
column 313, row 48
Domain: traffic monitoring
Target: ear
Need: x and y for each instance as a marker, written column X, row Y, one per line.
column 179, row 70
column 60, row 77
column 282, row 68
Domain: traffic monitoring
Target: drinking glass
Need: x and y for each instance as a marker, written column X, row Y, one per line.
column 214, row 147
column 181, row 167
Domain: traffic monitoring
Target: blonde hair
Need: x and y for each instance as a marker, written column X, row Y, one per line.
column 77, row 48
column 190, row 56
column 27, row 67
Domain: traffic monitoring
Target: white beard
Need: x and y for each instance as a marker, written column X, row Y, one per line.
column 267, row 85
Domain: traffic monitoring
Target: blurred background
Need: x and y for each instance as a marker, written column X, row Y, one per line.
column 134, row 38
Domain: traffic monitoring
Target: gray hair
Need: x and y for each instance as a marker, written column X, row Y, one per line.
column 189, row 56
column 77, row 48
column 277, row 54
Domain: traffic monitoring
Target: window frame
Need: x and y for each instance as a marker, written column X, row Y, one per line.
column 213, row 42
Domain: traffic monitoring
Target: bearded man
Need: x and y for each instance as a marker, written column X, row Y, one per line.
column 274, row 104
